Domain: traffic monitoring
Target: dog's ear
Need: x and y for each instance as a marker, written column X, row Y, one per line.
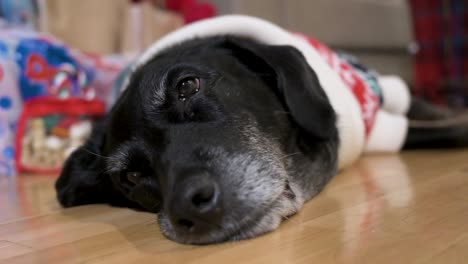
column 286, row 69
column 83, row 180
column 80, row 179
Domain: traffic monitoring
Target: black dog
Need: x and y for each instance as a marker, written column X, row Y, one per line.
column 223, row 136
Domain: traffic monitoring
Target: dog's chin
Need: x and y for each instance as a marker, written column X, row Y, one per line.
column 258, row 227
column 247, row 227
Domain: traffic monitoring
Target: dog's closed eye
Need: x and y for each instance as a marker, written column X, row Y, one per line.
column 134, row 176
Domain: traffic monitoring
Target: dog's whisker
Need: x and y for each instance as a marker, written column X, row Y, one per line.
column 95, row 154
column 105, row 171
column 289, row 155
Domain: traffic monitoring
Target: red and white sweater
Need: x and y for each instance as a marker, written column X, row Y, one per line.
column 364, row 125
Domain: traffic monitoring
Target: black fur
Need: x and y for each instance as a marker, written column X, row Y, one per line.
column 259, row 105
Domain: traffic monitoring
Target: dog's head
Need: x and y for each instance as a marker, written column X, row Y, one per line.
column 223, row 136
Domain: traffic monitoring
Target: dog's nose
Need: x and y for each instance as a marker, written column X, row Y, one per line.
column 196, row 207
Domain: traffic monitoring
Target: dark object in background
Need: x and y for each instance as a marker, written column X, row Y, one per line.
column 440, row 126
column 441, row 62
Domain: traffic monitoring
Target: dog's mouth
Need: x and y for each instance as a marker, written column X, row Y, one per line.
column 246, row 228
column 249, row 226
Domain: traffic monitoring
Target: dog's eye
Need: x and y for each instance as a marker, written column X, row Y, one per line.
column 133, row 176
column 188, row 87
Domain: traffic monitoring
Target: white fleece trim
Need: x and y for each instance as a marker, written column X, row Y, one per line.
column 396, row 94
column 350, row 123
column 388, row 134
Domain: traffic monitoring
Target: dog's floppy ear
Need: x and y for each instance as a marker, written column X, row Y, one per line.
column 83, row 179
column 286, row 69
column 80, row 180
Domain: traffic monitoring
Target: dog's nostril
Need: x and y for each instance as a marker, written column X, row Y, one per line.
column 204, row 196
column 185, row 223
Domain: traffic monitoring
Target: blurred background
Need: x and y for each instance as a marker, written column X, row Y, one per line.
column 60, row 59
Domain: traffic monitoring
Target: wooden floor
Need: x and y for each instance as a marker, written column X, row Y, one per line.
column 411, row 208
